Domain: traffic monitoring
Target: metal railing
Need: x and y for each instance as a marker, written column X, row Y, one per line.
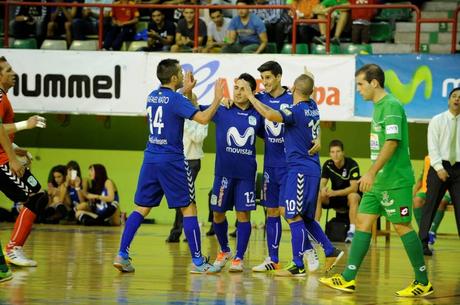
column 418, row 19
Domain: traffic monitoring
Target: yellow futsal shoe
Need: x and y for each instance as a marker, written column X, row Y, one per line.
column 416, row 289
column 338, row 282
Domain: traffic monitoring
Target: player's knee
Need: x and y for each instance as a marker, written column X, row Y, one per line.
column 403, row 228
column 37, row 203
column 353, row 199
column 418, row 202
column 218, row 217
column 243, row 216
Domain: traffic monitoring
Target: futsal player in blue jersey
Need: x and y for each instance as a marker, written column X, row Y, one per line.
column 164, row 170
column 235, row 172
column 279, row 97
column 303, row 169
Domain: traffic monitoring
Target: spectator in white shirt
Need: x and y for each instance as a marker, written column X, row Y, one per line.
column 217, row 31
column 444, row 173
column 194, row 135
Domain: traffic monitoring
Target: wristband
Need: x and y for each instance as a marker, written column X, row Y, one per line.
column 20, row 125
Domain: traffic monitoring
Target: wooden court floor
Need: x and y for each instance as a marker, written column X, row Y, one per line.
column 74, row 267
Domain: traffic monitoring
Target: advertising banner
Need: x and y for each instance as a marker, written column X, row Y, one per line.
column 421, row 82
column 117, row 83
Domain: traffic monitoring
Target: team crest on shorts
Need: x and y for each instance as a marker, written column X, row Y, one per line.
column 386, row 201
column 213, row 199
column 252, row 120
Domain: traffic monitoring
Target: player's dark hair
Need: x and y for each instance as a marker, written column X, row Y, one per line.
column 73, row 165
column 453, row 90
column 157, row 10
column 271, row 66
column 251, row 80
column 213, row 10
column 57, row 169
column 166, row 69
column 336, row 143
column 248, row 2
column 372, row 71
column 100, row 176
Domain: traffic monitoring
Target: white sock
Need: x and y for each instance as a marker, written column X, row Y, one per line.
column 352, row 228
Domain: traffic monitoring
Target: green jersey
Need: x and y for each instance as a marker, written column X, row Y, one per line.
column 389, row 122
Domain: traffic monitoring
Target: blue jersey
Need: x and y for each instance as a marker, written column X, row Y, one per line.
column 166, row 111
column 73, row 194
column 236, row 132
column 301, row 127
column 275, row 155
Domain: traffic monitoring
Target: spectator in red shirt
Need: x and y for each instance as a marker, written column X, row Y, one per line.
column 124, row 21
column 361, row 28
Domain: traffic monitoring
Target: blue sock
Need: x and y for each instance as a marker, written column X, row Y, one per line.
column 318, row 234
column 299, row 241
column 193, row 234
column 132, row 224
column 273, row 237
column 242, row 238
column 221, row 230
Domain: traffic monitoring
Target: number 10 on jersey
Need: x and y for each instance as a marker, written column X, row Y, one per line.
column 157, row 121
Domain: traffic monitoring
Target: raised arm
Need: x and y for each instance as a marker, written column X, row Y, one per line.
column 203, row 117
column 266, row 111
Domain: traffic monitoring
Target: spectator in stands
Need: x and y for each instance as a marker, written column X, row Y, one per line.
column 30, row 21
column 89, row 21
column 185, row 34
column 304, row 10
column 61, row 20
column 123, row 26
column 341, row 15
column 361, row 18
column 246, row 32
column 74, row 182
column 230, row 13
column 217, row 31
column 274, row 20
column 102, row 206
column 344, row 175
column 161, row 32
column 59, row 203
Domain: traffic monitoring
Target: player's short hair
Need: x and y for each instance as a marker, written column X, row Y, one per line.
column 336, row 143
column 453, row 90
column 304, row 84
column 213, row 10
column 372, row 71
column 166, row 69
column 271, row 66
column 251, row 80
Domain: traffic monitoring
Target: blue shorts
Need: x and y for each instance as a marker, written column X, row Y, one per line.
column 172, row 178
column 273, row 186
column 300, row 195
column 232, row 192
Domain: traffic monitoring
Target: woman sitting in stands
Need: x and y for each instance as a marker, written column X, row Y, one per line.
column 102, row 198
column 59, row 202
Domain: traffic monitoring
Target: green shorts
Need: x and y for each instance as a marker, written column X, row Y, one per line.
column 395, row 204
column 446, row 197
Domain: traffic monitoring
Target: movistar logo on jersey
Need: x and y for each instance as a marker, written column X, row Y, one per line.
column 234, row 138
column 406, row 92
column 273, row 128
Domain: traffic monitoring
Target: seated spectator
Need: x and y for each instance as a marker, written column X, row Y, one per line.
column 29, row 21
column 274, row 23
column 304, row 10
column 229, row 13
column 341, row 15
column 161, row 33
column 246, row 32
column 361, row 18
column 74, row 183
column 123, row 26
column 344, row 174
column 61, row 20
column 185, row 33
column 217, row 31
column 89, row 22
column 101, row 193
column 59, row 203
